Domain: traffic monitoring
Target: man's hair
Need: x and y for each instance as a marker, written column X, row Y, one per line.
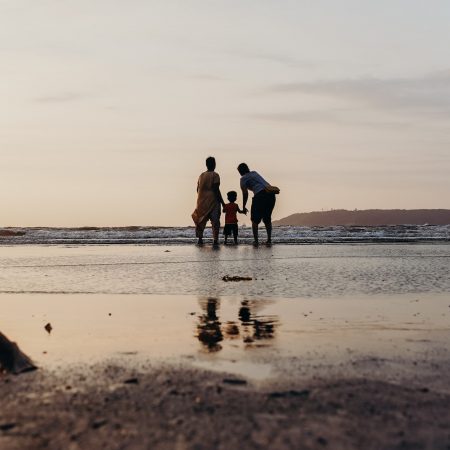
column 210, row 162
column 232, row 196
column 243, row 168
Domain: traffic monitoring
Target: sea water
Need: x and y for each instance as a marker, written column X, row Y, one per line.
column 186, row 235
column 280, row 271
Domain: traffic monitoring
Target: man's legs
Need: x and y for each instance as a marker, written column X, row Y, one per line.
column 268, row 224
column 269, row 204
column 255, row 232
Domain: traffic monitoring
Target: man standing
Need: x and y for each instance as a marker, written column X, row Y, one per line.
column 263, row 200
column 209, row 200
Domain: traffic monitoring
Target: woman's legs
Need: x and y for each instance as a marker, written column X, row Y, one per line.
column 199, row 229
column 215, row 230
column 215, row 222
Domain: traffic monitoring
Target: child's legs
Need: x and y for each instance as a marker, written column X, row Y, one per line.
column 235, row 233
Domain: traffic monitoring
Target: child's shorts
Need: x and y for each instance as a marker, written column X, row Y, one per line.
column 230, row 229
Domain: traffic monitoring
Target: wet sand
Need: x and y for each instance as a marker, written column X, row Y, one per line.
column 168, row 372
column 237, row 369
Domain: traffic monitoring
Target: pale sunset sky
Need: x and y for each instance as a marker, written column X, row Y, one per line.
column 110, row 107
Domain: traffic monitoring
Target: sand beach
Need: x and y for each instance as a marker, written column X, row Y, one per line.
column 331, row 346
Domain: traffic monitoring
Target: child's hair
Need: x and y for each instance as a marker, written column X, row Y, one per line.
column 232, row 196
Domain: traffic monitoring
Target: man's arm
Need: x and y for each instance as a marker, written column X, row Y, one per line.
column 244, row 199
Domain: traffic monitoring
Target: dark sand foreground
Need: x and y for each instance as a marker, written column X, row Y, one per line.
column 113, row 407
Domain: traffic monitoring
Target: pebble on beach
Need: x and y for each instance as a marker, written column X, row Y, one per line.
column 227, row 278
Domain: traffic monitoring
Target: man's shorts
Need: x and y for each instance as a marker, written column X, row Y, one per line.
column 262, row 206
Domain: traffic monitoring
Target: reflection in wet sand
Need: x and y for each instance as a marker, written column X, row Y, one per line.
column 249, row 327
column 209, row 327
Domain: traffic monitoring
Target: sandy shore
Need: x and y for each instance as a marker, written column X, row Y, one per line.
column 326, row 347
column 188, row 373
column 168, row 407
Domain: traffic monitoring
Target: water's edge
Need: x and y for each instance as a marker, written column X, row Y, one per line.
column 146, row 235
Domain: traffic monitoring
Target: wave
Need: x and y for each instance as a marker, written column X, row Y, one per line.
column 140, row 235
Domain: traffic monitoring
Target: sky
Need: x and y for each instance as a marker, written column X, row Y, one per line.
column 110, row 107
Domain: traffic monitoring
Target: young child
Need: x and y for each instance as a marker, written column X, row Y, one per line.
column 231, row 222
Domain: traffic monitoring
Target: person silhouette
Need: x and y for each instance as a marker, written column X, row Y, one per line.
column 209, row 200
column 263, row 200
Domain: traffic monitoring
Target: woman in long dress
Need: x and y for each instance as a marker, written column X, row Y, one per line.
column 209, row 201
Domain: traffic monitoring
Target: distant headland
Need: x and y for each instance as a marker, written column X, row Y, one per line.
column 368, row 217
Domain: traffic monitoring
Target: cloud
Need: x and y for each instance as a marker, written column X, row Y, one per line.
column 62, row 97
column 273, row 58
column 341, row 117
column 207, row 77
column 428, row 94
column 281, row 59
column 298, row 116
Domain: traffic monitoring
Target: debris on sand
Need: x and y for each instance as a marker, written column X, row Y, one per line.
column 48, row 328
column 292, row 393
column 12, row 359
column 7, row 426
column 10, row 233
column 227, row 278
column 98, row 423
column 237, row 381
column 131, row 381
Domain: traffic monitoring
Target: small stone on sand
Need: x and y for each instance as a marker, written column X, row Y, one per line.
column 227, row 278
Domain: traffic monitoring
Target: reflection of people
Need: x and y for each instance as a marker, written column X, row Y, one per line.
column 209, row 200
column 249, row 328
column 231, row 221
column 263, row 200
column 209, row 330
column 261, row 327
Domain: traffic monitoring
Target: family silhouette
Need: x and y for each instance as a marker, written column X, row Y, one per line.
column 210, row 204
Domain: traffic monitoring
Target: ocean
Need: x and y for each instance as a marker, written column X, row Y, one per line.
column 145, row 235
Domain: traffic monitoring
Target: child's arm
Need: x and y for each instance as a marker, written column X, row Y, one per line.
column 240, row 211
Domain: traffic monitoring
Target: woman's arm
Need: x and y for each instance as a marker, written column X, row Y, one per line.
column 216, row 190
